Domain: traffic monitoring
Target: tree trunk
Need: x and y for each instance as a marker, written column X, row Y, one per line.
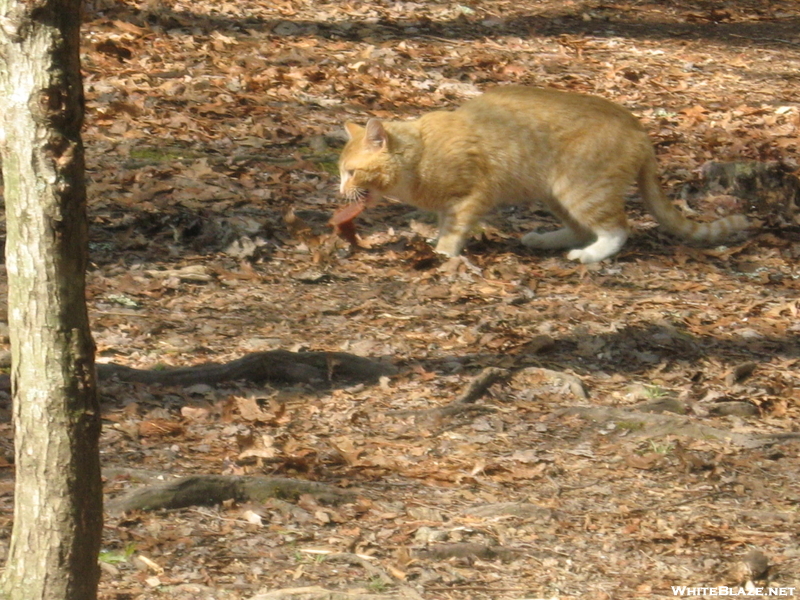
column 58, row 501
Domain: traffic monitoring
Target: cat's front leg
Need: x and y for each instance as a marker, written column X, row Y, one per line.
column 455, row 225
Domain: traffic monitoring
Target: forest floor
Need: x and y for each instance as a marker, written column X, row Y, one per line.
column 644, row 430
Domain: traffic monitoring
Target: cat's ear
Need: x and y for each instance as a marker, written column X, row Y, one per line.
column 376, row 135
column 352, row 129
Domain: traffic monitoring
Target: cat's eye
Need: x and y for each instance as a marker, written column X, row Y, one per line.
column 350, row 172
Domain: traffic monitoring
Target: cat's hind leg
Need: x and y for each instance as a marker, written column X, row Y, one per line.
column 598, row 208
column 608, row 243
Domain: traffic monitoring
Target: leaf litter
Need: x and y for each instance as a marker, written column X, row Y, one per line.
column 644, row 434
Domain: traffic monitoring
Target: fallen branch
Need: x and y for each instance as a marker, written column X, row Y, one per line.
column 279, row 366
column 206, row 490
column 481, row 384
column 463, row 404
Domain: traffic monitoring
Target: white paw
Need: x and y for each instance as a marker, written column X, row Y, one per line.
column 449, row 248
column 607, row 244
column 575, row 255
column 581, row 255
column 445, row 253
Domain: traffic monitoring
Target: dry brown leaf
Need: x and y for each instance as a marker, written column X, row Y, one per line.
column 159, row 428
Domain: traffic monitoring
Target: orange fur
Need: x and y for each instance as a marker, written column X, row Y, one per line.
column 576, row 154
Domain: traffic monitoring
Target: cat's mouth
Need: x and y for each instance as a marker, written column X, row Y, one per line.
column 371, row 198
column 365, row 197
column 362, row 196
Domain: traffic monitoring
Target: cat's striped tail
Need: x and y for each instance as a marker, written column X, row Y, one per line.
column 669, row 217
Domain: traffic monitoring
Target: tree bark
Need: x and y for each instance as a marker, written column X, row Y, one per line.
column 58, row 499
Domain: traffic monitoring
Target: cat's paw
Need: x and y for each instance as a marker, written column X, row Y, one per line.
column 581, row 255
column 449, row 248
column 455, row 263
column 608, row 243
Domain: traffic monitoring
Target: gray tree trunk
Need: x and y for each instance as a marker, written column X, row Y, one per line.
column 58, row 500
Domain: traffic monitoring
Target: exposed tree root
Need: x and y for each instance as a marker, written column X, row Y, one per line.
column 318, row 593
column 524, row 510
column 239, row 158
column 214, row 489
column 280, row 366
column 651, row 425
column 375, row 572
column 466, row 550
column 485, row 380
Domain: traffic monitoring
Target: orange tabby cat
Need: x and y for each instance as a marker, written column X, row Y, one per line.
column 576, row 154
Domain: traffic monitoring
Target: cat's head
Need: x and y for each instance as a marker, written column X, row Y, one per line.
column 367, row 166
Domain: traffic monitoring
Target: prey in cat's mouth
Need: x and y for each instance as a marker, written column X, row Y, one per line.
column 358, row 199
column 362, row 196
column 576, row 154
